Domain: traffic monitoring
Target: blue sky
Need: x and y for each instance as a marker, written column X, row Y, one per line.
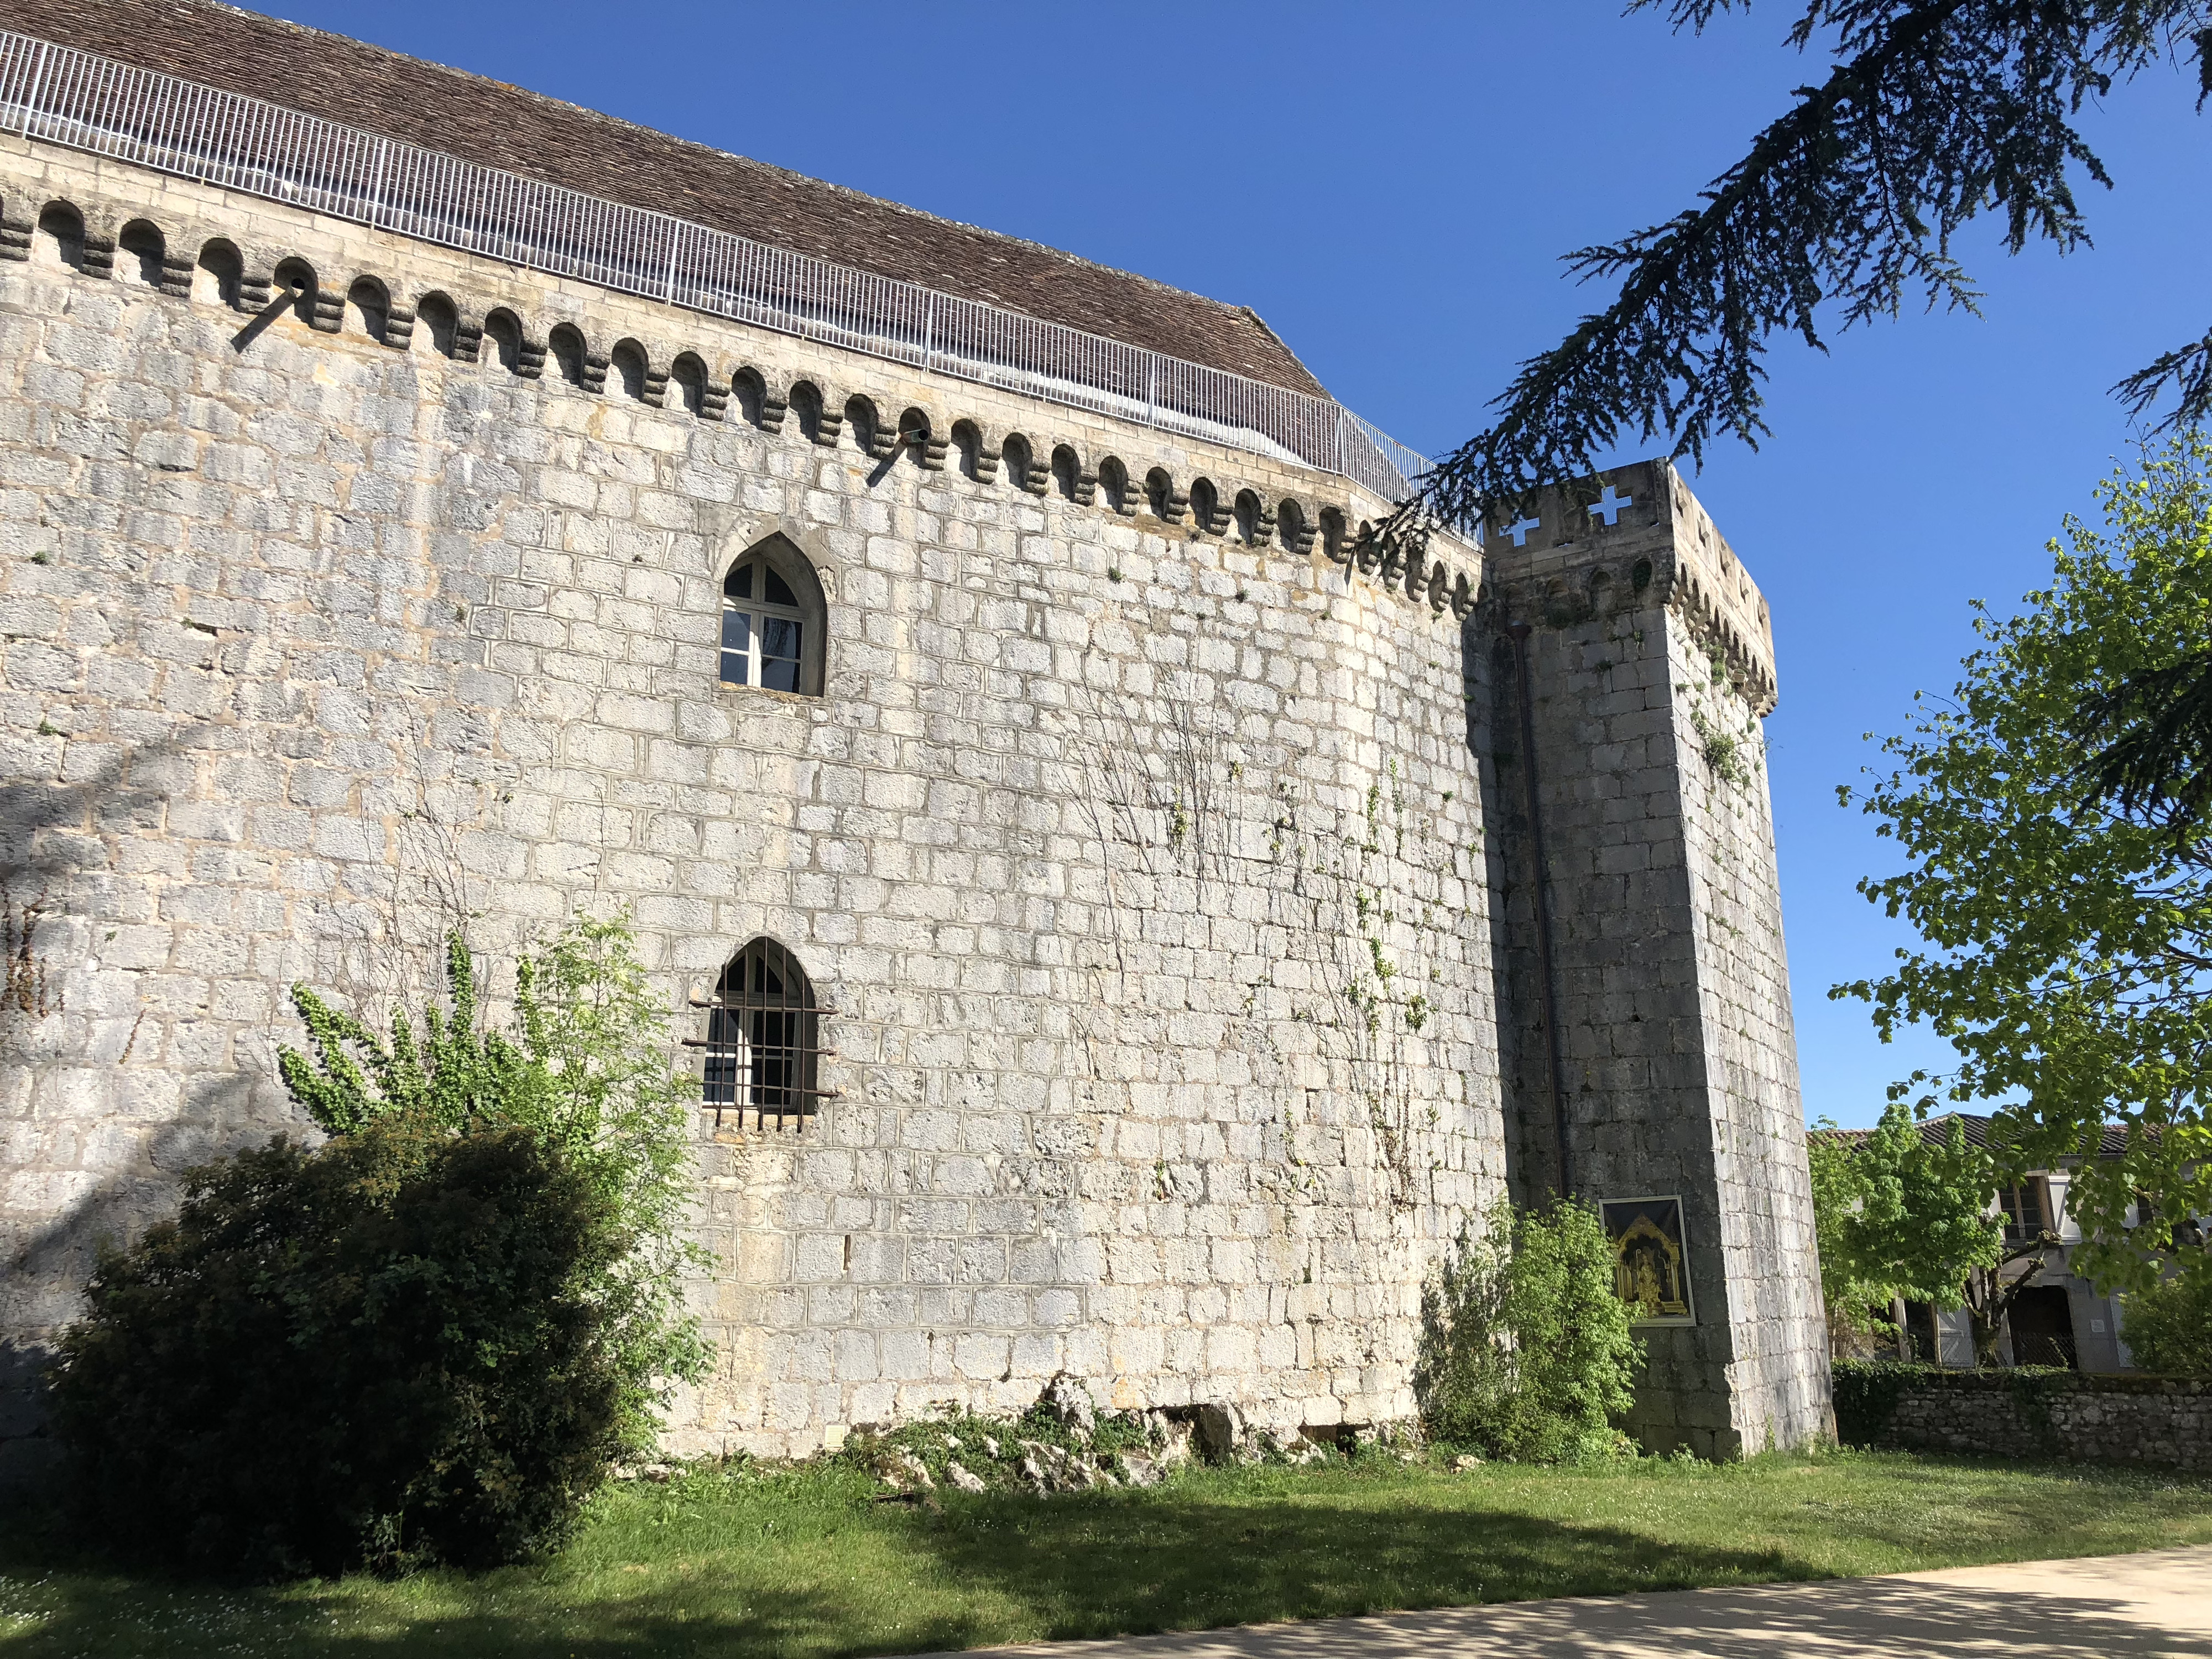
column 1390, row 186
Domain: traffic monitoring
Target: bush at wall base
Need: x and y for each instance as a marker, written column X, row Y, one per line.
column 1526, row 1352
column 373, row 1352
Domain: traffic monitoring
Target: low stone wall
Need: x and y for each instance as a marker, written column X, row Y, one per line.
column 2030, row 1412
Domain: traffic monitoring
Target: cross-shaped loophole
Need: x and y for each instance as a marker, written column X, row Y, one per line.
column 1520, row 532
column 1610, row 507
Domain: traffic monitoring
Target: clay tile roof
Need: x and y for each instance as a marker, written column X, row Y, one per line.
column 500, row 126
column 2111, row 1141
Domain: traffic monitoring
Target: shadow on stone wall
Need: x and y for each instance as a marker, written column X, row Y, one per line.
column 1486, row 678
column 48, row 1266
column 54, row 858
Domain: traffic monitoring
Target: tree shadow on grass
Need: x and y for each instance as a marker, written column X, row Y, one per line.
column 1116, row 1564
column 1088, row 1568
column 61, row 1595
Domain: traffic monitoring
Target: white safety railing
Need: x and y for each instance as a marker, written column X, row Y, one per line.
column 88, row 102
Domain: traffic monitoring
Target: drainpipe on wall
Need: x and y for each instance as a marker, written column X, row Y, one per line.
column 1518, row 633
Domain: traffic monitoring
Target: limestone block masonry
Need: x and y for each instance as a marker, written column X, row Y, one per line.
column 1167, row 875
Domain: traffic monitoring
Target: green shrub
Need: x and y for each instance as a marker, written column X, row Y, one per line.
column 1526, row 1350
column 375, row 1351
column 428, row 1340
column 584, row 1068
column 2168, row 1327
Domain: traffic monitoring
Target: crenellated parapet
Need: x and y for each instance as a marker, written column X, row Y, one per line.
column 1635, row 534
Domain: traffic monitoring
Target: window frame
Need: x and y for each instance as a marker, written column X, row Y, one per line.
column 774, row 556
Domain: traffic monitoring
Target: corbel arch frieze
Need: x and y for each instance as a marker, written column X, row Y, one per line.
column 523, row 324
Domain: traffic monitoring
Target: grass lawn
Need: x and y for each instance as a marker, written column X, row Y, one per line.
column 806, row 1562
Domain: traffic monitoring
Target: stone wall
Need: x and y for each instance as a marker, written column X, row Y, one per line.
column 1142, row 864
column 1145, row 852
column 2030, row 1414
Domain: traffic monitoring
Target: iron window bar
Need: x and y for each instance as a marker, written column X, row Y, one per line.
column 78, row 99
column 764, row 1042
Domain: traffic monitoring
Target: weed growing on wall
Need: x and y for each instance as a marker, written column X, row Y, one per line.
column 1526, row 1351
column 583, row 1067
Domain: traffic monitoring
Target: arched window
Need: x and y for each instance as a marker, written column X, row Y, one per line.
column 297, row 278
column 505, row 329
column 440, row 319
column 763, row 1039
column 368, row 308
column 217, row 278
column 629, row 363
column 687, row 382
column 1114, row 485
column 772, row 620
column 1206, row 506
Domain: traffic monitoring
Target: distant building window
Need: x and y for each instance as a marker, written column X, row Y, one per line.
column 2022, row 1209
column 765, row 628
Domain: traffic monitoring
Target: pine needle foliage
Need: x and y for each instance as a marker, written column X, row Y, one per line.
column 1934, row 114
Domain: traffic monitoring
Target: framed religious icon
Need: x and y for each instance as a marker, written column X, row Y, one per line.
column 1650, row 1271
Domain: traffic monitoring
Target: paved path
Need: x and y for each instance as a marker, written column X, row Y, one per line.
column 2111, row 1607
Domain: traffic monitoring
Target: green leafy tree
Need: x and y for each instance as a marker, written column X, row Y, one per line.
column 1858, row 1306
column 1525, row 1349
column 1909, row 1216
column 583, row 1067
column 2168, row 1325
column 2066, row 948
column 1931, row 113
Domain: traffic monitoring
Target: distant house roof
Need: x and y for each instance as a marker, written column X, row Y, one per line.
column 1937, row 1131
column 500, row 126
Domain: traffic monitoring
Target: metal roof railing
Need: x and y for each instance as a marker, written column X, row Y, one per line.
column 65, row 97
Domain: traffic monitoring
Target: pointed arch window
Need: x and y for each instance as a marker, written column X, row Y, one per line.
column 764, row 1041
column 772, row 620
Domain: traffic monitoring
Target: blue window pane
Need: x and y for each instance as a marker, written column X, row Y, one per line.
column 777, row 590
column 779, row 674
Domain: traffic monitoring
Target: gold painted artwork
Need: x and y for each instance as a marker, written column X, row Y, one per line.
column 1647, row 1272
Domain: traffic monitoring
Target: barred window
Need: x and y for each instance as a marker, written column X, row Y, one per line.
column 764, row 1041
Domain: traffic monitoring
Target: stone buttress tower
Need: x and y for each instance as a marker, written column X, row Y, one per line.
column 1645, row 988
